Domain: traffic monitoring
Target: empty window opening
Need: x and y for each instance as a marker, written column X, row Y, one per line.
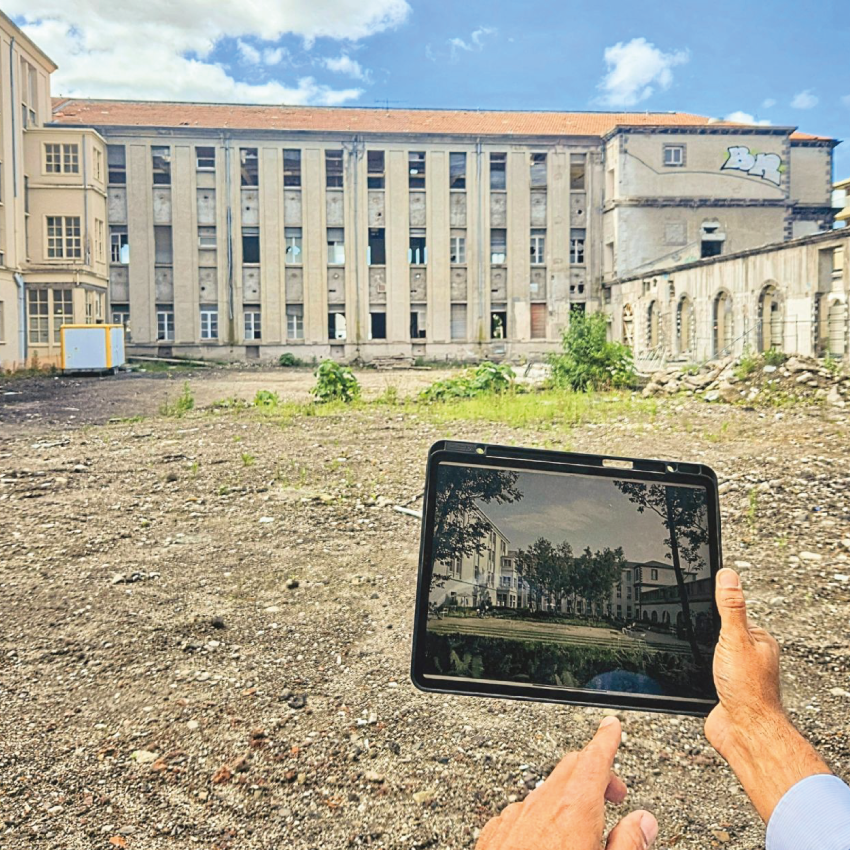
column 161, row 163
column 577, row 237
column 723, row 324
column 711, row 239
column 250, row 245
column 119, row 244
column 163, row 245
column 205, row 159
column 295, row 321
column 333, row 169
column 121, row 314
column 457, row 248
column 253, row 324
column 498, row 172
column 674, row 155
column 417, row 252
column 292, row 242
column 499, row 322
column 538, row 247
column 336, row 323
column 418, row 318
column 538, row 171
column 416, row 169
column 498, row 245
column 457, row 170
column 249, row 167
column 375, row 169
column 336, row 246
column 685, row 325
column 653, row 330
column 377, row 325
column 577, row 171
column 291, row 167
column 116, row 164
column 377, row 251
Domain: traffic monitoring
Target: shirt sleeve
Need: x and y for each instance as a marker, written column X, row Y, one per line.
column 814, row 814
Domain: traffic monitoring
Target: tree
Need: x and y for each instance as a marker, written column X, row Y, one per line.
column 683, row 512
column 597, row 573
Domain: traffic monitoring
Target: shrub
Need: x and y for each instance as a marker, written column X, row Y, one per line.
column 590, row 361
column 266, row 400
column 775, row 357
column 748, row 364
column 182, row 404
column 485, row 379
column 335, row 383
column 289, row 360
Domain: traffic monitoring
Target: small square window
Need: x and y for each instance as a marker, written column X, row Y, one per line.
column 674, row 155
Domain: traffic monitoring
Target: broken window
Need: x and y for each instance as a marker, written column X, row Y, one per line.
column 499, row 322
column 457, row 247
column 119, row 244
column 375, row 169
column 674, row 155
column 333, row 169
column 206, row 238
column 163, row 248
column 498, row 245
column 253, row 326
column 336, row 322
column 417, row 252
column 205, row 158
column 336, row 246
column 577, row 170
column 711, row 239
column 116, row 164
column 498, row 172
column 291, row 167
column 250, row 245
column 295, row 321
column 292, row 241
column 538, row 171
column 577, row 237
column 121, row 314
column 416, row 169
column 457, row 170
column 209, row 322
column 418, row 317
column 538, row 246
column 458, row 321
column 377, row 325
column 249, row 167
column 161, row 162
column 377, row 251
column 164, row 322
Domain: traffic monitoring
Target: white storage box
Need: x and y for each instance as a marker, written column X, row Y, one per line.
column 92, row 348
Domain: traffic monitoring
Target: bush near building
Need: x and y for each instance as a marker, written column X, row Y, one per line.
column 485, row 379
column 335, row 382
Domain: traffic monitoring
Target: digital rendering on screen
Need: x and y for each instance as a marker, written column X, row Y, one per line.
column 570, row 581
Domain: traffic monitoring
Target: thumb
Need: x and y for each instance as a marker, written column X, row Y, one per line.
column 636, row 831
column 731, row 605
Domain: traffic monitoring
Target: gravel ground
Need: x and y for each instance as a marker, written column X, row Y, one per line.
column 207, row 621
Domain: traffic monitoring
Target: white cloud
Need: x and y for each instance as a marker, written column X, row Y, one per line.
column 476, row 42
column 161, row 49
column 768, row 103
column 804, row 100
column 846, row 100
column 739, row 117
column 344, row 64
column 635, row 69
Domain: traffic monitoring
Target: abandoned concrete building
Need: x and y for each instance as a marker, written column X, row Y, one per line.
column 231, row 231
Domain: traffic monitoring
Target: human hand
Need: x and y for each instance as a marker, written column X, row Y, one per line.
column 567, row 812
column 749, row 727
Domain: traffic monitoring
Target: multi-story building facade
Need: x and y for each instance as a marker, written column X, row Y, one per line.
column 53, row 267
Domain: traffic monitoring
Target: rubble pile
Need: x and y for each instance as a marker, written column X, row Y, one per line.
column 753, row 380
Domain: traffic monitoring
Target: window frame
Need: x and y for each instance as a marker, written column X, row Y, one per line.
column 163, row 169
column 538, row 246
column 294, row 329
column 670, row 148
column 376, row 179
column 457, row 249
column 70, row 238
column 504, row 253
column 334, row 179
column 205, row 158
column 535, row 160
column 578, row 246
column 165, row 319
column 292, row 175
column 252, row 323
column 336, row 245
column 287, row 236
column 66, row 302
column 209, row 322
column 500, row 159
column 416, row 178
column 457, row 181
column 38, row 323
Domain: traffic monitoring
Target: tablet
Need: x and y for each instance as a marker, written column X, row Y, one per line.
column 564, row 577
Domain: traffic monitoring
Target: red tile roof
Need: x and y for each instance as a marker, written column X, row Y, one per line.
column 124, row 113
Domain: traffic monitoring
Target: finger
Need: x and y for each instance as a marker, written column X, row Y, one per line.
column 616, row 791
column 636, row 831
column 500, row 824
column 597, row 758
column 732, row 606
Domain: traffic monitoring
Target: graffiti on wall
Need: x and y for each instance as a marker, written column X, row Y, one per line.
column 764, row 165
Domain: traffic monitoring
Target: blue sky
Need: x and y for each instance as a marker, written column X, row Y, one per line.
column 779, row 62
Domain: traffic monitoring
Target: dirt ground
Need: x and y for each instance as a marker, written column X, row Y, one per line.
column 206, row 620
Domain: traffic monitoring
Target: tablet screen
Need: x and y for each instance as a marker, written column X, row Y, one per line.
column 567, row 580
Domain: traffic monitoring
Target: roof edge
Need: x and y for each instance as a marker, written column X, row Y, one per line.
column 31, row 45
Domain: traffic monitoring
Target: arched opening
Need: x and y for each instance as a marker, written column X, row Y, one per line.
column 837, row 323
column 771, row 330
column 653, row 330
column 666, row 618
column 628, row 326
column 723, row 324
column 645, row 617
column 654, row 616
column 685, row 326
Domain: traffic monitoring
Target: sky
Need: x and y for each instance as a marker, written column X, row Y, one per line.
column 583, row 510
column 777, row 61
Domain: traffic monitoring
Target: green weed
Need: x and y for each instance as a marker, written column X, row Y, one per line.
column 181, row 405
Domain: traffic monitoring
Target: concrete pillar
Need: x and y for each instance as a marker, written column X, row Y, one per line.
column 271, row 254
column 140, row 232
column 313, row 234
column 439, row 270
column 398, row 233
column 519, row 236
column 184, row 239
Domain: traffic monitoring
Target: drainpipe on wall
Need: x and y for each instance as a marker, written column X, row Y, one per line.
column 22, row 316
column 479, row 240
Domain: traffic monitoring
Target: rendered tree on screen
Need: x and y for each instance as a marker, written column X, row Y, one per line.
column 683, row 512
